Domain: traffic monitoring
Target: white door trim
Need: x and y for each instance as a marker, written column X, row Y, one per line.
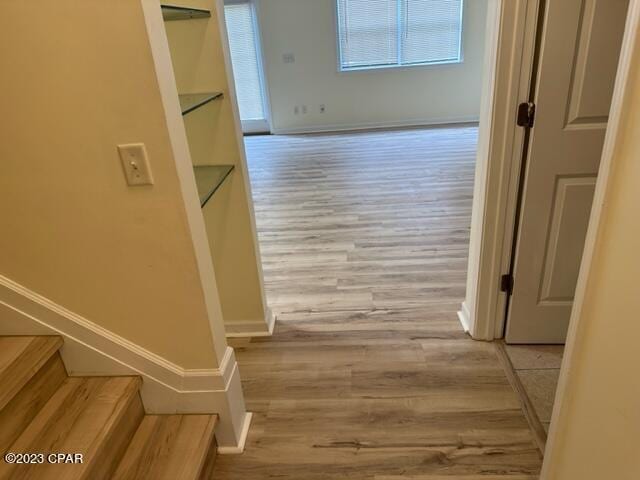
column 264, row 81
column 509, row 59
column 629, row 60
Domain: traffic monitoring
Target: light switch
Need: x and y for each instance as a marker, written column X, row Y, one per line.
column 135, row 164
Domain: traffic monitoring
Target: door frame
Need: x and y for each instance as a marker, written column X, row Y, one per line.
column 264, row 82
column 511, row 33
column 509, row 63
column 512, row 28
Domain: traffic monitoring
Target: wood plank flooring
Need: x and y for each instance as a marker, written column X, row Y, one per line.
column 368, row 375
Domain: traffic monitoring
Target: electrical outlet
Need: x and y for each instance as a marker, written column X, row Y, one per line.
column 323, row 108
column 304, row 109
column 135, row 164
column 289, row 58
column 296, row 110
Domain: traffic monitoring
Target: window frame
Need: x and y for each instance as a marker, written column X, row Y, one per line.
column 397, row 66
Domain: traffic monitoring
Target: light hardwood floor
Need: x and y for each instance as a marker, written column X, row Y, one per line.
column 368, row 375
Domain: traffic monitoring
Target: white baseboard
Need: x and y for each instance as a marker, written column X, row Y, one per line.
column 464, row 317
column 373, row 125
column 235, row 450
column 252, row 328
column 90, row 350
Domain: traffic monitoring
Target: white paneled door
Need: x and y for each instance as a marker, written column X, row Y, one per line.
column 578, row 58
column 244, row 45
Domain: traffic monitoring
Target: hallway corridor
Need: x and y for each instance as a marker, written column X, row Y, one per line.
column 368, row 375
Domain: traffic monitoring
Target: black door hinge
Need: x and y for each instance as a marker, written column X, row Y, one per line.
column 526, row 114
column 506, row 283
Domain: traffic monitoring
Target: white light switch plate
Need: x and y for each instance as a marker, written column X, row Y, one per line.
column 136, row 164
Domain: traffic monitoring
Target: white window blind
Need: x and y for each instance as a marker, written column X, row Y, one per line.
column 240, row 23
column 368, row 32
column 387, row 33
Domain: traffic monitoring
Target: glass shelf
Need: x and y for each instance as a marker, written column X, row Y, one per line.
column 209, row 178
column 192, row 101
column 174, row 12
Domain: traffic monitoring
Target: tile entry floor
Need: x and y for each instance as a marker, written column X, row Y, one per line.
column 538, row 368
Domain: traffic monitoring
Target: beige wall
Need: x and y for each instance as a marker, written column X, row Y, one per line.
column 199, row 65
column 306, row 28
column 597, row 433
column 72, row 230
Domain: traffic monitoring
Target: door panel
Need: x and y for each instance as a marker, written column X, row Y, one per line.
column 570, row 219
column 593, row 75
column 578, row 58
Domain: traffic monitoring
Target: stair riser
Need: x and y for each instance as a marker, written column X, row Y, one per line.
column 210, row 462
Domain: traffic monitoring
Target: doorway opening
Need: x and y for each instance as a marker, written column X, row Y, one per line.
column 361, row 232
column 576, row 63
column 363, row 198
column 374, row 110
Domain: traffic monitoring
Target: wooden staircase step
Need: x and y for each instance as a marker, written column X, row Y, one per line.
column 170, row 447
column 94, row 416
column 26, row 404
column 20, row 359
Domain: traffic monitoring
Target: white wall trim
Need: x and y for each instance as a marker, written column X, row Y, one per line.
column 38, row 315
column 261, row 65
column 341, row 127
column 236, row 450
column 629, row 56
column 511, row 30
column 90, row 350
column 255, row 126
column 463, row 316
column 252, row 328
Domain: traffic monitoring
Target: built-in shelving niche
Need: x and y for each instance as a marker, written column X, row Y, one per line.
column 175, row 12
column 209, row 178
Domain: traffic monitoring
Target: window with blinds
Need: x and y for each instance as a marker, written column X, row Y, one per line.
column 394, row 33
column 240, row 21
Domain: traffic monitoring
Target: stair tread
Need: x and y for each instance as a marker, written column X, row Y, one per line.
column 171, row 447
column 20, row 359
column 80, row 417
